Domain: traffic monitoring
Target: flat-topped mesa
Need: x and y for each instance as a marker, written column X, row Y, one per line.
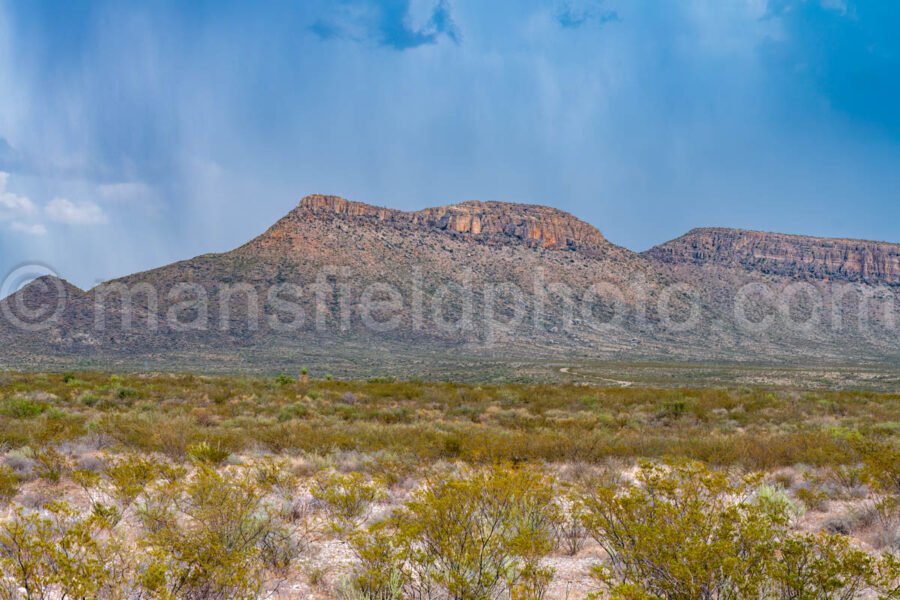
column 539, row 226
column 783, row 254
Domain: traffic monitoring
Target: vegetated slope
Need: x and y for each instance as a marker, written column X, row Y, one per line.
column 471, row 279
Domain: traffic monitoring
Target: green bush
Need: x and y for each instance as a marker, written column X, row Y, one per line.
column 678, row 534
column 283, row 379
column 123, row 393
column 22, row 408
column 89, row 399
column 292, row 411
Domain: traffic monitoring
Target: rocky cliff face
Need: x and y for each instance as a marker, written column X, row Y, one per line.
column 786, row 255
column 539, row 226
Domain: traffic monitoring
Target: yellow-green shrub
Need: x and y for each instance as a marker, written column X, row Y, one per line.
column 347, row 498
column 212, row 544
column 474, row 536
column 683, row 532
column 9, row 484
column 62, row 555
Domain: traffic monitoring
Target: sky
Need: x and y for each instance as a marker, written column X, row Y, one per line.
column 136, row 134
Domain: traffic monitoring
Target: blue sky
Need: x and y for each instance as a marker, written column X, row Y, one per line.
column 135, row 134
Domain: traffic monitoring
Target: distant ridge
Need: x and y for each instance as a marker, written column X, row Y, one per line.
column 787, row 255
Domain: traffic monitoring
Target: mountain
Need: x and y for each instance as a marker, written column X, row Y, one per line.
column 795, row 256
column 352, row 286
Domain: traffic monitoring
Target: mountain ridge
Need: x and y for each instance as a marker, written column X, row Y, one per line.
column 523, row 280
column 840, row 259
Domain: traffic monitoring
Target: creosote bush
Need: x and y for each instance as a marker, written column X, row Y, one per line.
column 61, row 554
column 686, row 532
column 347, row 498
column 217, row 538
column 475, row 536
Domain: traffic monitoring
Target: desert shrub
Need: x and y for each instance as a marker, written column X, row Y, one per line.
column 125, row 393
column 680, row 533
column 881, row 467
column 887, row 575
column 477, row 536
column 51, row 464
column 21, row 462
column 126, row 479
column 62, row 555
column 292, row 411
column 823, row 566
column 56, row 426
column 379, row 573
column 847, row 478
column 279, row 548
column 130, row 475
column 275, row 474
column 813, row 497
column 149, row 433
column 391, row 415
column 673, row 409
column 89, row 399
column 9, row 484
column 683, row 531
column 887, row 519
column 881, row 470
column 21, row 408
column 571, row 534
column 215, row 539
column 347, row 498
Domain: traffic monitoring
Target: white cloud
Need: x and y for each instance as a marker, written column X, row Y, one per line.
column 126, row 191
column 64, row 210
column 28, row 228
column 13, row 206
column 839, row 6
column 24, row 216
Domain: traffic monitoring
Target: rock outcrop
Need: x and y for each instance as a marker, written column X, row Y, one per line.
column 786, row 255
column 540, row 226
